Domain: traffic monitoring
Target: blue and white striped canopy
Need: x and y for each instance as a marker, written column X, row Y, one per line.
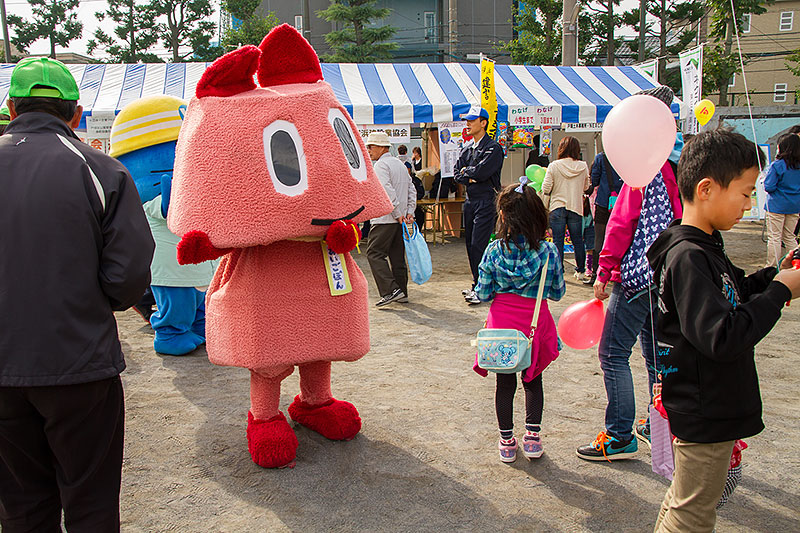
column 388, row 93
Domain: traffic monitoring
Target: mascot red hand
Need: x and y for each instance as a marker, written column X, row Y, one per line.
column 276, row 177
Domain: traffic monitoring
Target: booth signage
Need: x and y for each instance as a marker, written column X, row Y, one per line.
column 451, row 139
column 98, row 124
column 542, row 115
column 398, row 133
column 582, row 126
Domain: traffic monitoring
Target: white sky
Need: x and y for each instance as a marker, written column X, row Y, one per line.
column 88, row 8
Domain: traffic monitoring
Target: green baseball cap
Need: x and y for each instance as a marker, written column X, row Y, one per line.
column 53, row 78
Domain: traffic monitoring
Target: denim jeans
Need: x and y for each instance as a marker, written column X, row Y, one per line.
column 625, row 321
column 560, row 219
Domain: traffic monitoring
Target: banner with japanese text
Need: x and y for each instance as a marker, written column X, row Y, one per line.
column 488, row 97
column 692, row 84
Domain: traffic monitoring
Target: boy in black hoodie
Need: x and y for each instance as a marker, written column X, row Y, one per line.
column 711, row 317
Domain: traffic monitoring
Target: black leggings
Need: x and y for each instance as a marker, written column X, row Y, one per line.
column 504, row 400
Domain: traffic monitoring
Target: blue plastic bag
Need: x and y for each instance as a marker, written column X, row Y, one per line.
column 417, row 254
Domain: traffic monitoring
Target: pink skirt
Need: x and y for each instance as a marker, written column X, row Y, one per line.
column 512, row 311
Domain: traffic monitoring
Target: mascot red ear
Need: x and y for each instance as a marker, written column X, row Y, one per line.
column 286, row 57
column 230, row 74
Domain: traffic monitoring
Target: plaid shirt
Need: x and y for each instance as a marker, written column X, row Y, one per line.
column 518, row 271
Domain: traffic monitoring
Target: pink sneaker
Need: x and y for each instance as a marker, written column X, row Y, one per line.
column 532, row 446
column 508, row 450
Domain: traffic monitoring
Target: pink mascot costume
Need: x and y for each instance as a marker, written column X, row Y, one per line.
column 273, row 179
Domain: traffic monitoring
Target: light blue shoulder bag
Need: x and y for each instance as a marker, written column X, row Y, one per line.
column 506, row 351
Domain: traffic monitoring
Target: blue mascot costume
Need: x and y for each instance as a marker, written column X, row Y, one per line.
column 143, row 138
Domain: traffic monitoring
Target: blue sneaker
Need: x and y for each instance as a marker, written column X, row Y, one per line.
column 607, row 448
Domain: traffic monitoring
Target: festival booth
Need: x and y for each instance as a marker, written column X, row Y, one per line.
column 418, row 104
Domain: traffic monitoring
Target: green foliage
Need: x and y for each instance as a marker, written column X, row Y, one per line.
column 594, row 34
column 136, row 31
column 674, row 20
column 252, row 31
column 54, row 20
column 793, row 63
column 185, row 26
column 538, row 30
column 358, row 41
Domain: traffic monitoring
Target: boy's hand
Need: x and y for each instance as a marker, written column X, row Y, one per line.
column 787, row 261
column 790, row 278
column 600, row 289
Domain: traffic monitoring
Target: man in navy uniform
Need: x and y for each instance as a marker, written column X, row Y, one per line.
column 478, row 169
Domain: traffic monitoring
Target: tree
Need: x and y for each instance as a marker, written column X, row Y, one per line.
column 538, row 28
column 675, row 21
column 596, row 25
column 719, row 64
column 55, row 20
column 136, row 32
column 186, row 26
column 253, row 27
column 357, row 42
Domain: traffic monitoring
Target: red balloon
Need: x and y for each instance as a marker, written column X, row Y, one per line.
column 581, row 324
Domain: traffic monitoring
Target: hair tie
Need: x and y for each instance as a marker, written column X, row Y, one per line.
column 522, row 182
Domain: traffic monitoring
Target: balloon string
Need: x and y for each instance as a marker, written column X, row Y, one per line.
column 746, row 92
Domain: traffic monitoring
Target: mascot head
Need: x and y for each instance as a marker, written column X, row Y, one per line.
column 282, row 160
column 143, row 138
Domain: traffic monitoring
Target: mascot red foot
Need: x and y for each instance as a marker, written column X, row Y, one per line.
column 273, row 178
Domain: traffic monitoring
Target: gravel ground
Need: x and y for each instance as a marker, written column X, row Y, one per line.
column 426, row 457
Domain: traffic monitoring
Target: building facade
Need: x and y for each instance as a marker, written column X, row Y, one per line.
column 425, row 33
column 767, row 40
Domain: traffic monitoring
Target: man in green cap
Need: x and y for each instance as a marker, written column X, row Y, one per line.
column 76, row 248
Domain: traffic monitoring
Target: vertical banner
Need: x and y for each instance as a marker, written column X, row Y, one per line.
column 650, row 68
column 691, row 81
column 488, row 98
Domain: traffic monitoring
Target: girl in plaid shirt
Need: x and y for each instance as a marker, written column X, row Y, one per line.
column 509, row 275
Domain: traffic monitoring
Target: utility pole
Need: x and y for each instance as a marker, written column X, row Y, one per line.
column 6, row 44
column 452, row 25
column 306, row 21
column 569, row 35
column 642, row 16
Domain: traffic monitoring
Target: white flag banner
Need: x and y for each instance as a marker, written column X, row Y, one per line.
column 650, row 68
column 692, row 83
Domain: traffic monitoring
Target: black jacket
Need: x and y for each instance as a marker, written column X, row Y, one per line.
column 74, row 246
column 711, row 316
column 479, row 168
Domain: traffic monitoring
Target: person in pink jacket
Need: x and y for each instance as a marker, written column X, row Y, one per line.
column 638, row 217
column 273, row 178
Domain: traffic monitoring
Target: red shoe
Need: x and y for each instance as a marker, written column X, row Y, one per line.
column 334, row 419
column 272, row 443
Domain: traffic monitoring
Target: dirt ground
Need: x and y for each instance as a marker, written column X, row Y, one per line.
column 426, row 458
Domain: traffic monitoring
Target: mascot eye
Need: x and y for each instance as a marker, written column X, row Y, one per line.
column 352, row 150
column 286, row 161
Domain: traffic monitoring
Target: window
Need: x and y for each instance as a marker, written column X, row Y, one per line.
column 430, row 25
column 787, row 17
column 732, row 81
column 298, row 23
column 746, row 23
column 780, row 93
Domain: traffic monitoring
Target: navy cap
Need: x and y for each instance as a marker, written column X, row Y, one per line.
column 475, row 112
